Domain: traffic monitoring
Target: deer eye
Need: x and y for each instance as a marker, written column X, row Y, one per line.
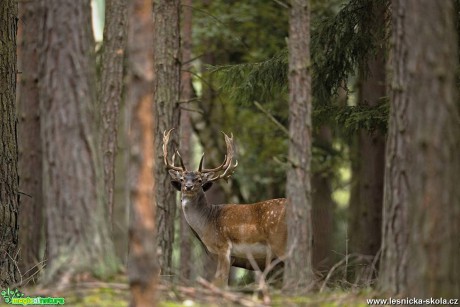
column 181, row 179
column 200, row 180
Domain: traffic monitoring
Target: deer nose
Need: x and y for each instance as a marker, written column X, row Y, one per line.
column 188, row 187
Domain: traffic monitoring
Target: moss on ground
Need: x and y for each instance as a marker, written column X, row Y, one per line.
column 117, row 295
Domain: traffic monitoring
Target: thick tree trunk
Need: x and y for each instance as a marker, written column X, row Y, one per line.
column 143, row 258
column 110, row 89
column 365, row 215
column 298, row 270
column 29, row 142
column 78, row 234
column 434, row 123
column 166, row 89
column 421, row 207
column 9, row 193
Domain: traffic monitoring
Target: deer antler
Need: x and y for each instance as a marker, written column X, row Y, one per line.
column 227, row 165
column 171, row 165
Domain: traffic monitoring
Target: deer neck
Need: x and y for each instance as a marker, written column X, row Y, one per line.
column 197, row 211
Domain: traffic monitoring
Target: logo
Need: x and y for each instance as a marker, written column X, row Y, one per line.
column 16, row 297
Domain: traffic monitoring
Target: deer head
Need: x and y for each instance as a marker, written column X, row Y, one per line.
column 191, row 182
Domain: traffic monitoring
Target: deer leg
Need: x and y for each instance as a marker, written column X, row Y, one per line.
column 223, row 269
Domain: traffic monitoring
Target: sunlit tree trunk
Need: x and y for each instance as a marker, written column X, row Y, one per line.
column 110, row 89
column 166, row 89
column 143, row 259
column 78, row 236
column 421, row 207
column 29, row 142
column 9, row 193
column 298, row 269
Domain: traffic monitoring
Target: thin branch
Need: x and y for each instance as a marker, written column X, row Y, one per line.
column 272, row 118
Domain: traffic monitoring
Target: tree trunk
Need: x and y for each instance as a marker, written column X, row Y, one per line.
column 298, row 270
column 143, row 258
column 365, row 212
column 9, row 196
column 29, row 142
column 431, row 42
column 186, row 261
column 166, row 89
column 110, row 89
column 395, row 233
column 421, row 212
column 78, row 234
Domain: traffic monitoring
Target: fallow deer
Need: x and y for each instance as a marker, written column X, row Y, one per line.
column 238, row 234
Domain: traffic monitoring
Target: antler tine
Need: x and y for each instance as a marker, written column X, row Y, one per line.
column 200, row 167
column 227, row 173
column 169, row 165
column 227, row 158
column 180, row 160
column 226, row 165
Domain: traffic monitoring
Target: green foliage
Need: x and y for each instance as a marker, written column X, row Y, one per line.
column 261, row 81
column 342, row 44
column 231, row 32
column 352, row 119
column 238, row 31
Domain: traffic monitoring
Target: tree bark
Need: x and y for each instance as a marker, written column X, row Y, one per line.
column 78, row 234
column 9, row 194
column 434, row 120
column 421, row 212
column 110, row 89
column 298, row 269
column 395, row 233
column 143, row 258
column 166, row 89
column 29, row 141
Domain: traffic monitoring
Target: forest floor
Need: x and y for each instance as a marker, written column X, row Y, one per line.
column 116, row 294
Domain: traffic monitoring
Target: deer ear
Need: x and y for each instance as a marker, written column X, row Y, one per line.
column 206, row 186
column 176, row 184
column 175, row 179
column 175, row 175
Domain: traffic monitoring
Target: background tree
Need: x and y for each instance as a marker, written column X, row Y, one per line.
column 298, row 269
column 110, row 89
column 323, row 205
column 31, row 221
column 9, row 192
column 368, row 152
column 166, row 89
column 77, row 227
column 420, row 234
column 143, row 259
column 186, row 144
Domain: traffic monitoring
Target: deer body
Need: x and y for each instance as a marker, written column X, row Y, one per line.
column 242, row 229
column 237, row 234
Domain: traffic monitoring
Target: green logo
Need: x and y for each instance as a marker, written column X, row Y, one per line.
column 15, row 297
